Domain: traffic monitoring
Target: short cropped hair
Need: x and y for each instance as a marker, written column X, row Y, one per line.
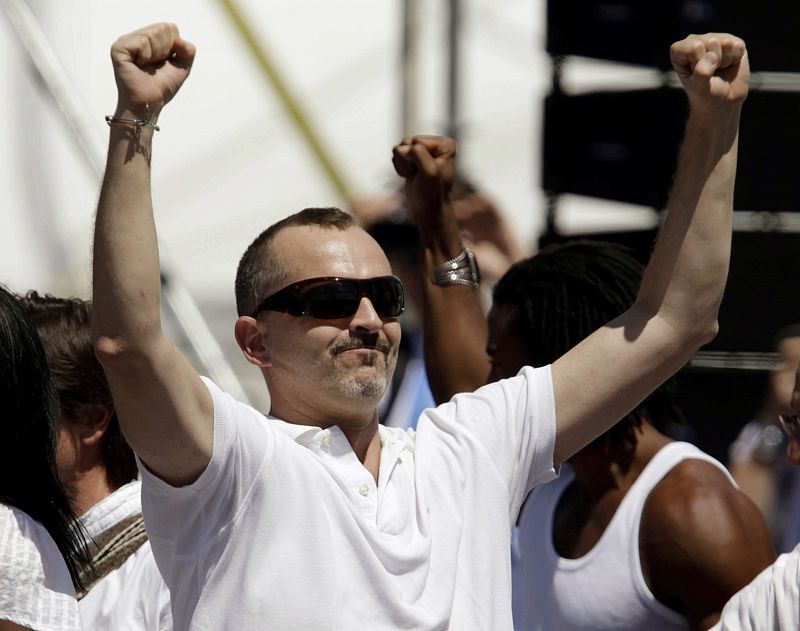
column 260, row 271
column 566, row 292
column 64, row 326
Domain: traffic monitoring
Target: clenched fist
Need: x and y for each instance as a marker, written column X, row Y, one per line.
column 428, row 165
column 150, row 65
column 713, row 68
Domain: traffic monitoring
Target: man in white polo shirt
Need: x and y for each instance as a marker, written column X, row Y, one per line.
column 315, row 517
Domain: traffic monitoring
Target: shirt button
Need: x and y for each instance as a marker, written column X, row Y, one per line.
column 364, row 490
column 326, row 441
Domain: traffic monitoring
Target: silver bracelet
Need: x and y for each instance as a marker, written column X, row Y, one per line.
column 138, row 123
column 461, row 270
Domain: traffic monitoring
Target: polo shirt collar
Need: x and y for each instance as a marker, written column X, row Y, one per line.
column 393, row 441
column 302, row 434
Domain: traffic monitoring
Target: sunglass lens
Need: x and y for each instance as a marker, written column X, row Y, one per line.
column 340, row 298
column 386, row 295
column 332, row 299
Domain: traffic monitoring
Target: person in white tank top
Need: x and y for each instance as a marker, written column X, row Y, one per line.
column 638, row 532
column 606, row 587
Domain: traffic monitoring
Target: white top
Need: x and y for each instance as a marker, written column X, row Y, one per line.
column 132, row 597
column 771, row 601
column 605, row 589
column 35, row 586
column 286, row 529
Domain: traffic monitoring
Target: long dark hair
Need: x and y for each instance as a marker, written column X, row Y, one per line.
column 29, row 478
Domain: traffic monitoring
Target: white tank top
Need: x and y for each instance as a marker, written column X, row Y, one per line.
column 604, row 589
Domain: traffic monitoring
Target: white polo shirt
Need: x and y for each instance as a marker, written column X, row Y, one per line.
column 285, row 529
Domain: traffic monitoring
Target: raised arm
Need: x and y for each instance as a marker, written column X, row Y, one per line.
column 164, row 409
column 603, row 378
column 454, row 324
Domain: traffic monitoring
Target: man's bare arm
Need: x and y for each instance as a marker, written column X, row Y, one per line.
column 609, row 373
column 454, row 324
column 165, row 410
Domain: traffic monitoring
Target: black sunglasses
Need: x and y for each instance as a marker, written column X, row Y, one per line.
column 328, row 297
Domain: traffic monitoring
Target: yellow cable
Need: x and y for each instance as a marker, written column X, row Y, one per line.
column 285, row 96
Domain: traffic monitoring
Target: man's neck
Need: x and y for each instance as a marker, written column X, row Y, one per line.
column 599, row 470
column 366, row 444
column 604, row 473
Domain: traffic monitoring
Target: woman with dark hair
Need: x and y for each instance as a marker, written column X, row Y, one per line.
column 98, row 468
column 41, row 546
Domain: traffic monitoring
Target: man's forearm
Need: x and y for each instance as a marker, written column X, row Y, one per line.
column 454, row 325
column 455, row 329
column 686, row 276
column 126, row 264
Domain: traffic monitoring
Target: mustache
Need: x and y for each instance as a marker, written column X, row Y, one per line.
column 355, row 343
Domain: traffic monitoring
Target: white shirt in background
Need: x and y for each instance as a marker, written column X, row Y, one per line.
column 35, row 586
column 286, row 529
column 132, row 597
column 771, row 602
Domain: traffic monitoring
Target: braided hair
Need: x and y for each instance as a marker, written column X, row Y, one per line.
column 566, row 292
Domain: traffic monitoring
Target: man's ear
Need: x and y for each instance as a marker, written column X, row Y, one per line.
column 251, row 341
column 93, row 423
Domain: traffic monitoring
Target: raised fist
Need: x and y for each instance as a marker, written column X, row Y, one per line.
column 428, row 165
column 713, row 68
column 150, row 65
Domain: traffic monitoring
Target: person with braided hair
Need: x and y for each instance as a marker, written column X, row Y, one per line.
column 616, row 542
column 637, row 531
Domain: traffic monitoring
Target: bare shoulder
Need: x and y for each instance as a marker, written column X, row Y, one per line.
column 690, row 485
column 701, row 540
column 696, row 504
